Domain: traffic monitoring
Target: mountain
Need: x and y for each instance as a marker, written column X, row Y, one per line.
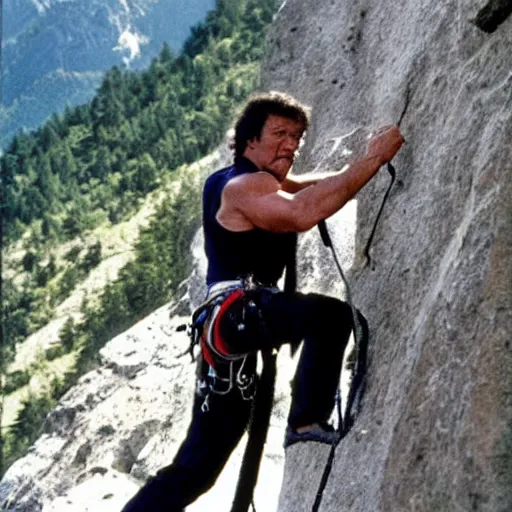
column 433, row 431
column 55, row 52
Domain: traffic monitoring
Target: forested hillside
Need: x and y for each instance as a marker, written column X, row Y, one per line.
column 93, row 165
column 55, row 53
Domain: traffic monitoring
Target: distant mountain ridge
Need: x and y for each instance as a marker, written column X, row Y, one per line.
column 55, row 51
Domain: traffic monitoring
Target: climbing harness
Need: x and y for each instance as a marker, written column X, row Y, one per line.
column 226, row 370
column 221, row 369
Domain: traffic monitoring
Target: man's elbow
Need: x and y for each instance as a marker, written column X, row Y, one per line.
column 305, row 218
column 302, row 225
column 309, row 215
column 294, row 220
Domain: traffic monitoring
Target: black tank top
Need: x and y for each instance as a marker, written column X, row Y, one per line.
column 233, row 255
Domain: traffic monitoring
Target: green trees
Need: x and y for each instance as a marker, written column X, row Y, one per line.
column 92, row 257
column 93, row 163
column 145, row 174
column 46, row 182
column 15, row 306
column 67, row 334
column 102, row 165
column 65, row 163
column 107, row 107
column 162, row 262
column 172, row 113
column 28, row 425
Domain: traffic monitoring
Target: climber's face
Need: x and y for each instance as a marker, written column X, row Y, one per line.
column 274, row 150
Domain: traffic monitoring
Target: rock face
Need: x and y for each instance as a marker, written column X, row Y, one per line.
column 435, row 430
column 122, row 422
column 102, row 424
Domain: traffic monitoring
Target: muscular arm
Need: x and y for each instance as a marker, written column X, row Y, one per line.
column 294, row 184
column 257, row 200
column 260, row 200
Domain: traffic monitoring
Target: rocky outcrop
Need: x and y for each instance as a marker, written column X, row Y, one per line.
column 102, row 424
column 435, row 431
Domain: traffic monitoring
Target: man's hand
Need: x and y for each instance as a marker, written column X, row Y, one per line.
column 385, row 144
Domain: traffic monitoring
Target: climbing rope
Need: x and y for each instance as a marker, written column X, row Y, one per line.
column 392, row 172
column 343, row 426
column 360, row 331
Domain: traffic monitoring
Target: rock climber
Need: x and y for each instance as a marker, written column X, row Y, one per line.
column 252, row 212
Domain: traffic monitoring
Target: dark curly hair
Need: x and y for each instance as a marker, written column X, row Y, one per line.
column 258, row 108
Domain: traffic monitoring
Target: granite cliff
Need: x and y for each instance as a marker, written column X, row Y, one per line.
column 434, row 432
column 435, row 429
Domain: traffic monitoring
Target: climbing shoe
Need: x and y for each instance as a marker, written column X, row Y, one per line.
column 319, row 432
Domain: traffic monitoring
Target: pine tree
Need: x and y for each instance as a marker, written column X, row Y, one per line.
column 48, row 137
column 166, row 55
column 67, row 334
column 46, row 181
column 103, row 163
column 68, row 167
column 145, row 174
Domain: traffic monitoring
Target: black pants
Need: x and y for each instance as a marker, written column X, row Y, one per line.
column 324, row 323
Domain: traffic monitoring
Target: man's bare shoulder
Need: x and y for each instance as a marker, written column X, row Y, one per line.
column 258, row 183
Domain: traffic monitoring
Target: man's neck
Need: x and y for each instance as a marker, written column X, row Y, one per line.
column 247, row 155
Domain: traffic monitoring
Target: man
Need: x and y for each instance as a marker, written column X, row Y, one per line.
column 252, row 213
